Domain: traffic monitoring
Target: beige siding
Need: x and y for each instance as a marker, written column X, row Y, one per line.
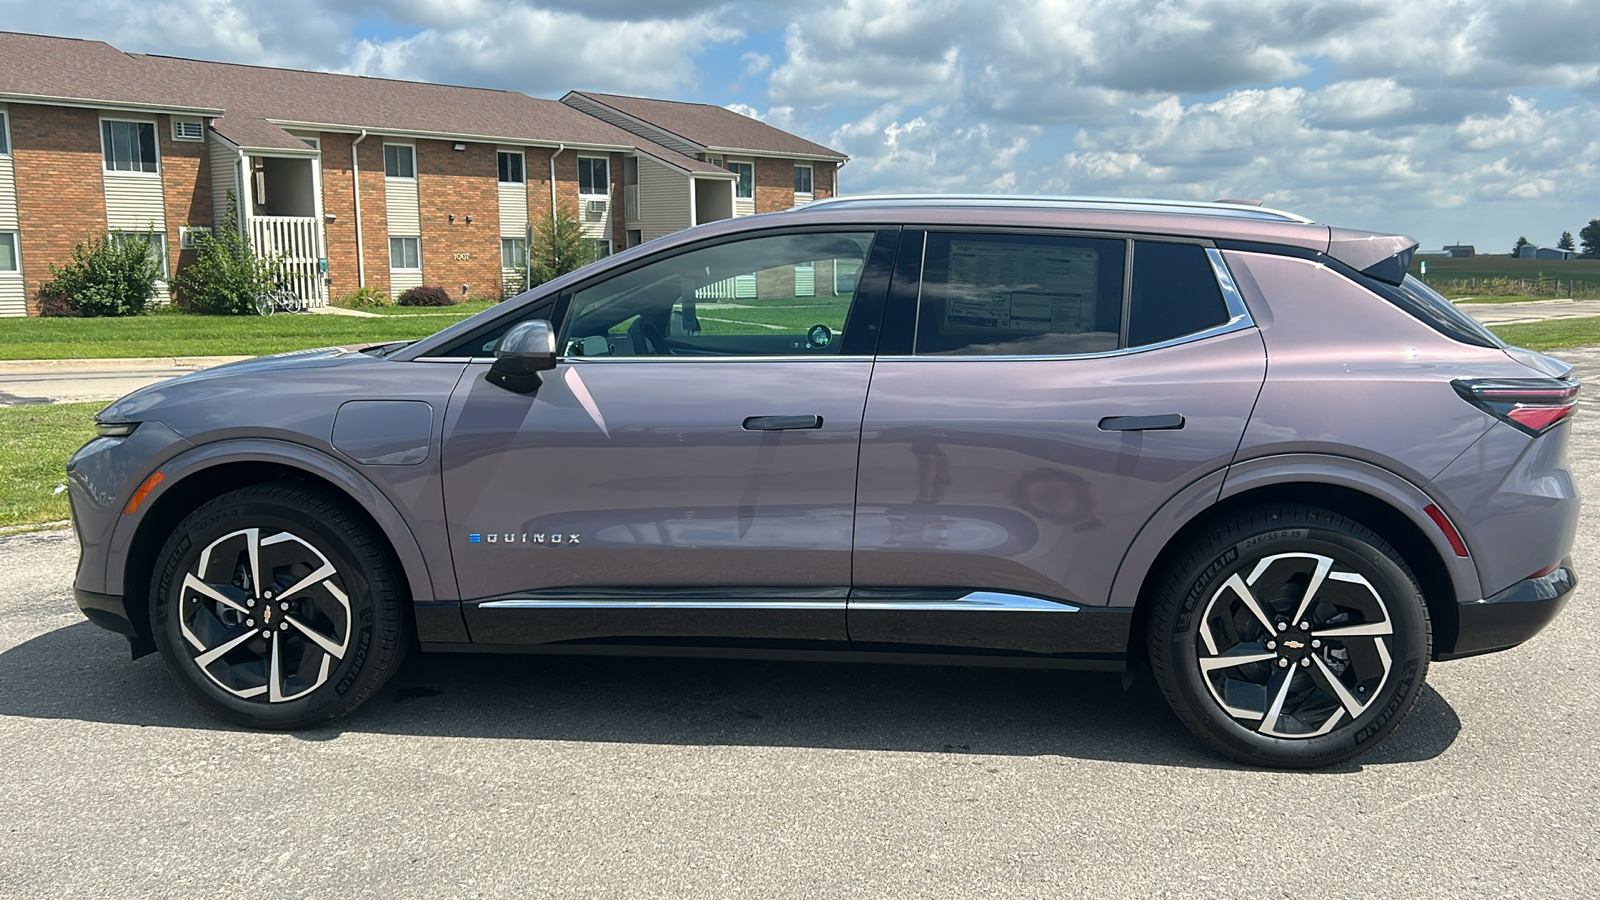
column 134, row 202
column 402, row 279
column 8, row 194
column 404, row 218
column 513, row 210
column 13, row 293
column 225, row 175
column 663, row 199
column 607, row 114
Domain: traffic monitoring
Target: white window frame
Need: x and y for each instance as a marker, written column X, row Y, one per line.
column 514, row 267
column 410, row 148
column 155, row 135
column 500, row 153
column 812, row 179
column 604, row 244
column 12, row 238
column 417, row 239
column 605, row 161
column 158, row 241
column 200, row 124
column 5, row 133
column 747, row 164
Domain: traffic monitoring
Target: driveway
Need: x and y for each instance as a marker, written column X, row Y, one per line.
column 489, row 776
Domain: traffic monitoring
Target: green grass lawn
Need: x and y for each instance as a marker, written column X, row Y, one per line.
column 35, row 442
column 1491, row 266
column 1553, row 334
column 1509, row 298
column 460, row 310
column 186, row 335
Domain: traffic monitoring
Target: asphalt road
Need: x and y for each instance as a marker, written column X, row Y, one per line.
column 522, row 776
column 27, row 382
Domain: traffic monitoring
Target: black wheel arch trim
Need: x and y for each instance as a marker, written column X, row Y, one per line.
column 1513, row 615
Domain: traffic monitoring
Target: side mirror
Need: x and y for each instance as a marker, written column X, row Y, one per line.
column 526, row 350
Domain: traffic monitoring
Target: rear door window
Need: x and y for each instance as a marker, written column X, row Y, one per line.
column 1020, row 295
column 1175, row 293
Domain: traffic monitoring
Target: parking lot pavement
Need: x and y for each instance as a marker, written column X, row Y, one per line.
column 483, row 776
column 1531, row 311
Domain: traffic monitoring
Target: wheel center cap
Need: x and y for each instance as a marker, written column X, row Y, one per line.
column 1294, row 645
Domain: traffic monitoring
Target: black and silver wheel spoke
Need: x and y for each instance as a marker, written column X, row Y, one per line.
column 1297, row 647
column 264, row 614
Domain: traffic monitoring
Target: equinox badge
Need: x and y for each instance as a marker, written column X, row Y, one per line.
column 521, row 538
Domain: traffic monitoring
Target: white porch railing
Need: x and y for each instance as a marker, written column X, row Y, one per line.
column 630, row 202
column 293, row 239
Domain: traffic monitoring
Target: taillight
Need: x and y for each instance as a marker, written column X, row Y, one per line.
column 1531, row 405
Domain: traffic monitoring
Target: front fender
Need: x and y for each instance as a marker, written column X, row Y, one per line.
column 356, row 487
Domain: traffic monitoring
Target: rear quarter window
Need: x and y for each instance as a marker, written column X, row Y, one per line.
column 1175, row 293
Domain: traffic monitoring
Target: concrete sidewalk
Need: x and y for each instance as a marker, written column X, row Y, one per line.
column 33, row 381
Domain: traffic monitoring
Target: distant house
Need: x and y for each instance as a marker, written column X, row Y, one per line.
column 355, row 182
column 1460, row 250
column 1529, row 251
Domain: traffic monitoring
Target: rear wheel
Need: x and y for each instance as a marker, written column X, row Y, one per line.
column 276, row 608
column 1289, row 636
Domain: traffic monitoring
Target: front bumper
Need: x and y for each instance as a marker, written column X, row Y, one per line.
column 108, row 611
column 1512, row 616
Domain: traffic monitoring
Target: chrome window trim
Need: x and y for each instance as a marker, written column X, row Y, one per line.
column 977, row 601
column 520, row 603
column 613, row 360
column 1230, row 291
column 1238, row 323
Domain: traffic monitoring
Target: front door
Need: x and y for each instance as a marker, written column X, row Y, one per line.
column 1045, row 411
column 687, row 473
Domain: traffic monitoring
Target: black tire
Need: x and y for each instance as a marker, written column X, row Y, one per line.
column 316, row 645
column 1368, row 637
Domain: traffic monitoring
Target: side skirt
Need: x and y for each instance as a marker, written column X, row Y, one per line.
column 829, row 656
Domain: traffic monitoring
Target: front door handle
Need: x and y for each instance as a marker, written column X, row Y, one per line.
column 1168, row 422
column 782, row 423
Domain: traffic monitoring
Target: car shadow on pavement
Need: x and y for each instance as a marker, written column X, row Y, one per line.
column 80, row 672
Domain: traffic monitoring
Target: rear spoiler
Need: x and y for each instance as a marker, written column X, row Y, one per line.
column 1385, row 257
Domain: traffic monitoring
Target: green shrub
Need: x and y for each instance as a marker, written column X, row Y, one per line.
column 362, row 298
column 227, row 273
column 427, row 295
column 559, row 246
column 108, row 276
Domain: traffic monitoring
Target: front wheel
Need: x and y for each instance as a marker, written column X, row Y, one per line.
column 264, row 305
column 276, row 607
column 1289, row 636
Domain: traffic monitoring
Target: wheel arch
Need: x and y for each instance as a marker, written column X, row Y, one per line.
column 198, row 475
column 1380, row 500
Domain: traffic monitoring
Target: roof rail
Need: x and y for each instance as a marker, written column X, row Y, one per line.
column 1074, row 202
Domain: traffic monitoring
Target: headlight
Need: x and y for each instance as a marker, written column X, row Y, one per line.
column 115, row 429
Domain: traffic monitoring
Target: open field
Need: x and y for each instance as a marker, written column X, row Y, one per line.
column 1551, row 335
column 185, row 335
column 35, row 442
column 1490, row 266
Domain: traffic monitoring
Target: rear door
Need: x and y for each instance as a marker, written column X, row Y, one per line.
column 687, row 472
column 1036, row 399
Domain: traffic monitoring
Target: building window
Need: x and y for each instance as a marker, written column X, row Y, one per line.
column 511, row 171
column 8, row 251
column 405, row 253
column 188, row 130
column 399, row 161
column 594, row 177
column 158, row 244
column 513, row 254
column 802, row 179
column 602, row 248
column 128, row 146
column 5, row 136
column 746, row 188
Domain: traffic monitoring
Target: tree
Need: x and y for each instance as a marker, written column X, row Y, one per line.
column 1521, row 242
column 1566, row 242
column 227, row 273
column 109, row 275
column 559, row 246
column 1590, row 235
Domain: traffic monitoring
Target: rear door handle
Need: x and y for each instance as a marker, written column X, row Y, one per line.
column 1169, row 422
column 782, row 423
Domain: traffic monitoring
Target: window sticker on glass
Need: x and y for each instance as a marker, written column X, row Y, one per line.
column 1037, row 289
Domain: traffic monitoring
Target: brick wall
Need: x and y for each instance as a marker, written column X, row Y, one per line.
column 537, row 166
column 774, row 186
column 185, row 188
column 822, row 180
column 460, row 183
column 619, row 225
column 338, row 200
column 60, row 188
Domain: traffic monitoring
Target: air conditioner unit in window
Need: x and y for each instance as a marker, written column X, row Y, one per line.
column 188, row 130
column 186, row 236
column 597, row 208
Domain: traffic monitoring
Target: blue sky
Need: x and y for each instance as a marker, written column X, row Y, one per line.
column 1450, row 120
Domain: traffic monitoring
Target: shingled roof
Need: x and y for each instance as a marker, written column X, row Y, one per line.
column 712, row 127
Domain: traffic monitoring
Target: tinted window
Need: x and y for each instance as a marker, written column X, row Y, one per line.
column 1020, row 295
column 768, row 296
column 1175, row 293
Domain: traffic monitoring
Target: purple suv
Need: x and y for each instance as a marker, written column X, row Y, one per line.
column 1224, row 443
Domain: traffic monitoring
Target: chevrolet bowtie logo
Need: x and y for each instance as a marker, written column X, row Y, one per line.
column 266, row 614
column 1293, row 645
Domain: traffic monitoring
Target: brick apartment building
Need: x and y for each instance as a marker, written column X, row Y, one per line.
column 356, row 181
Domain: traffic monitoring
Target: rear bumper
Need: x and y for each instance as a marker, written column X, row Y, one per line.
column 1513, row 615
column 108, row 611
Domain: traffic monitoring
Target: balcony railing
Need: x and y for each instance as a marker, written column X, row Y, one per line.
column 293, row 241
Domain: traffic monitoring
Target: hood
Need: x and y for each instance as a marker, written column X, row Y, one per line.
column 138, row 404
